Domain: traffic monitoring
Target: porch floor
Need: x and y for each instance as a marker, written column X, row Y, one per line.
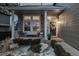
column 56, row 38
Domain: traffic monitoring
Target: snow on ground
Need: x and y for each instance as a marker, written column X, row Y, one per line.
column 23, row 51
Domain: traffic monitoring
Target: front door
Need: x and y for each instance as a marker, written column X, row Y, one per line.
column 52, row 28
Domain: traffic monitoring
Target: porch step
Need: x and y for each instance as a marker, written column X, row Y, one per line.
column 25, row 41
column 26, row 38
column 56, row 38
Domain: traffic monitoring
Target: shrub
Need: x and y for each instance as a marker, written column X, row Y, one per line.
column 60, row 51
column 35, row 48
column 49, row 36
column 26, row 41
column 22, row 41
column 36, row 41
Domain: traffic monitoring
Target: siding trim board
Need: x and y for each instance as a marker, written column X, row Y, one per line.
column 4, row 24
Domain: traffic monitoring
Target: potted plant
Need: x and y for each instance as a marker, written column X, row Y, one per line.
column 49, row 36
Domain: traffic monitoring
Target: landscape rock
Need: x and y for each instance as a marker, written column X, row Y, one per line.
column 13, row 46
column 30, row 53
column 23, row 51
column 50, row 52
column 44, row 46
column 23, row 54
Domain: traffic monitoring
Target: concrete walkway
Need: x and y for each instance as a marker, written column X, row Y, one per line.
column 56, row 38
column 68, row 48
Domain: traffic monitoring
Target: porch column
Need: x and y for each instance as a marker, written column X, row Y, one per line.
column 12, row 26
column 45, row 24
column 57, row 29
column 31, row 24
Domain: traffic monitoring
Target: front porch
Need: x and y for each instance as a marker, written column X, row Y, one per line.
column 35, row 23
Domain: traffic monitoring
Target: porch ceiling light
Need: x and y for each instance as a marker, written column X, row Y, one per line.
column 58, row 11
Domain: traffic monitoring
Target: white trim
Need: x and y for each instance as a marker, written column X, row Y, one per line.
column 31, row 28
column 57, row 28
column 5, row 24
column 23, row 26
column 45, row 24
column 12, row 26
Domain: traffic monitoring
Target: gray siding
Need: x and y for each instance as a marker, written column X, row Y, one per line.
column 42, row 23
column 20, row 22
column 69, row 30
column 4, row 19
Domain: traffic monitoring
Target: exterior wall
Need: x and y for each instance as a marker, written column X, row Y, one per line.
column 4, row 27
column 20, row 22
column 4, row 19
column 69, row 30
column 42, row 23
column 4, row 22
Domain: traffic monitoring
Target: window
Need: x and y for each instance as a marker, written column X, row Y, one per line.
column 36, row 17
column 31, row 23
column 26, row 23
column 36, row 23
column 27, row 17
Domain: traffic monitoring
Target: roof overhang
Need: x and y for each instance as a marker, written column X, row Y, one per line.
column 36, row 8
